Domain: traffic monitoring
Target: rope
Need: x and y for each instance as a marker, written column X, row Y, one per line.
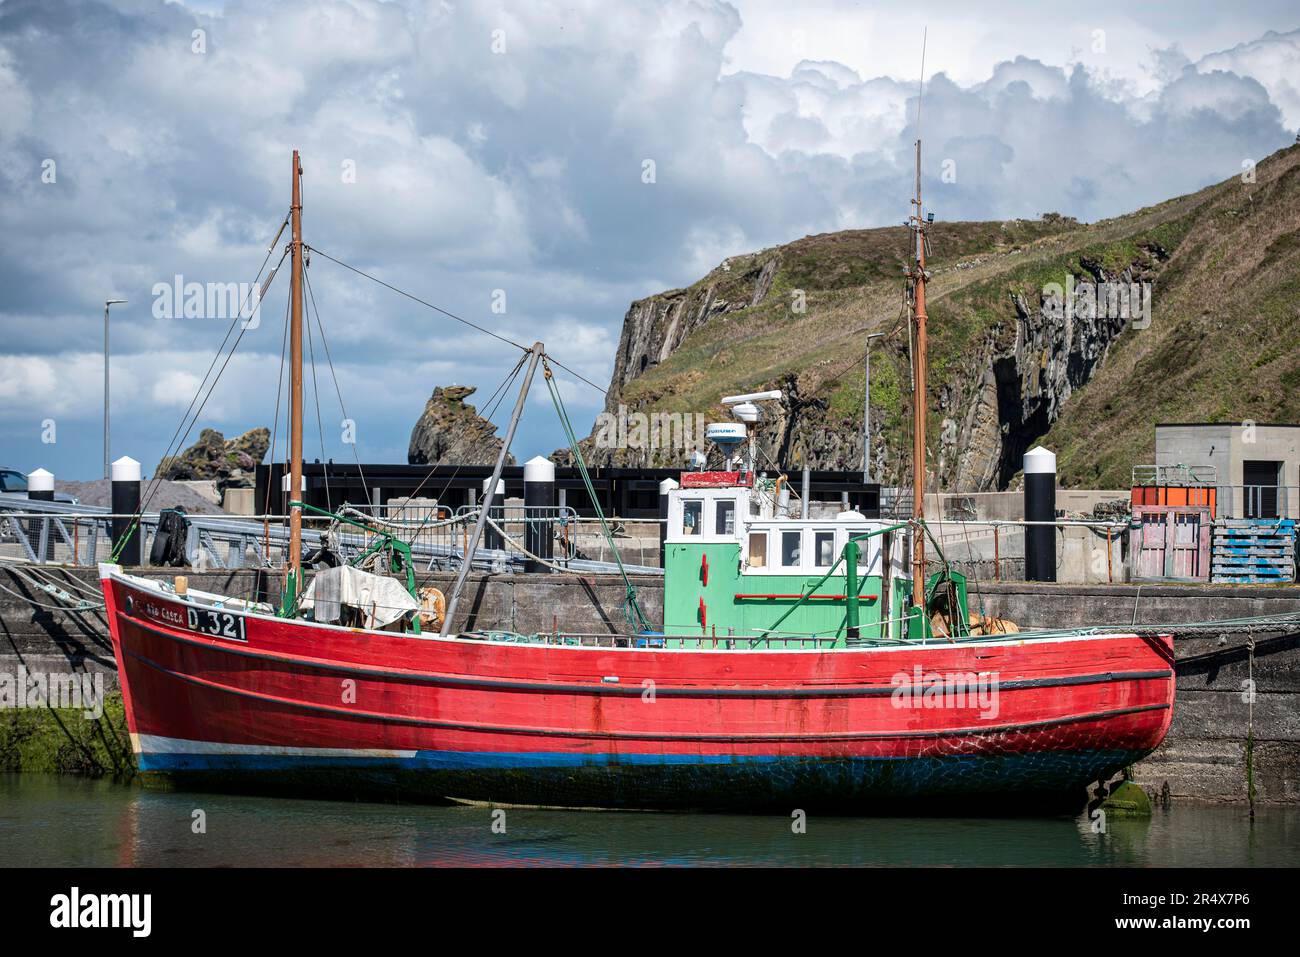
column 275, row 432
column 173, row 446
column 537, row 558
column 78, row 604
column 311, row 296
column 315, row 392
column 414, row 298
column 577, row 376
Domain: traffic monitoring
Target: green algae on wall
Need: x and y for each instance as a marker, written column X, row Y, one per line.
column 64, row 741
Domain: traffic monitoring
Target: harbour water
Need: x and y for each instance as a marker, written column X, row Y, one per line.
column 48, row 820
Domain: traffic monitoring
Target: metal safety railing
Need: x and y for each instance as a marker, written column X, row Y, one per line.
column 994, row 549
column 1175, row 475
column 1257, row 501
column 59, row 533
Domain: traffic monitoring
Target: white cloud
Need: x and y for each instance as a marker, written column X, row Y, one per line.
column 1274, row 61
column 521, row 170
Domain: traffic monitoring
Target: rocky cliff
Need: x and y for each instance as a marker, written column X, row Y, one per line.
column 1034, row 338
column 228, row 462
column 451, row 431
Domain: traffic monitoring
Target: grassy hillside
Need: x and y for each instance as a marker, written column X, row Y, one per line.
column 1225, row 264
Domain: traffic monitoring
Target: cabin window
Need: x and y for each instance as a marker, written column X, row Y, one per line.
column 724, row 517
column 864, row 545
column 790, row 548
column 824, row 549
column 692, row 516
column 758, row 549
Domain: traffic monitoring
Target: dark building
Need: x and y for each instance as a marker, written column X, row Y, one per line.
column 623, row 492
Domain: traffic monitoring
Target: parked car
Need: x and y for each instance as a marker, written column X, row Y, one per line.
column 13, row 484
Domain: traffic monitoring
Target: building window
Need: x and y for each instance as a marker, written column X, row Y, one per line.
column 724, row 517
column 758, row 549
column 692, row 516
column 863, row 545
column 824, row 549
column 790, row 548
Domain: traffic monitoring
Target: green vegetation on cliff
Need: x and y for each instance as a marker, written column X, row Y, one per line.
column 1223, row 342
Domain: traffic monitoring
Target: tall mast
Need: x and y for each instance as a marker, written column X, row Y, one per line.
column 295, row 387
column 918, row 277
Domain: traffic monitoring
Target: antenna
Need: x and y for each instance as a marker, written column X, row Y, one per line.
column 920, row 92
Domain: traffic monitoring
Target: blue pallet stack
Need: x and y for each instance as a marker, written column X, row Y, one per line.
column 1254, row 551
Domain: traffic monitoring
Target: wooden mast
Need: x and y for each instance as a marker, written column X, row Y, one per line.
column 918, row 277
column 295, row 388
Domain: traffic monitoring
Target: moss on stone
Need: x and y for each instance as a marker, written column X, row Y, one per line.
column 1127, row 800
column 65, row 741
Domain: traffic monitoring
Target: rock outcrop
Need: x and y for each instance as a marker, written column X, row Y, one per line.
column 655, row 326
column 231, row 463
column 1024, row 373
column 451, row 432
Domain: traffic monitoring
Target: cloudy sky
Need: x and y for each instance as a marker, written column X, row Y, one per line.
column 494, row 153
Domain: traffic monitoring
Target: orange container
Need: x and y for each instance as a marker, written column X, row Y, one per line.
column 1177, row 496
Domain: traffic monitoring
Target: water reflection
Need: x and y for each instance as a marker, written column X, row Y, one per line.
column 72, row 822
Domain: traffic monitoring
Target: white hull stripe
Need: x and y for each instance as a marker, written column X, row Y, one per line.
column 157, row 744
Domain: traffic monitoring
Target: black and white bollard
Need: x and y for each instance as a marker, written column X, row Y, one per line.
column 1040, row 506
column 40, row 488
column 491, row 537
column 539, row 511
column 125, row 474
column 666, row 486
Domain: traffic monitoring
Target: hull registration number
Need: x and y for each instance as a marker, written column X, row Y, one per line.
column 218, row 624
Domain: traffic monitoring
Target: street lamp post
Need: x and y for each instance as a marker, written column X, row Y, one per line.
column 866, row 414
column 107, row 303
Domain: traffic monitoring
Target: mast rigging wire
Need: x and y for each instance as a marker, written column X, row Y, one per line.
column 173, row 446
column 415, row 298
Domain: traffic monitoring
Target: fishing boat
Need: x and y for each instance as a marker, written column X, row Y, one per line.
column 802, row 663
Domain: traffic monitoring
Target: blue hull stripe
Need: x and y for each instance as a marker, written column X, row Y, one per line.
column 651, row 780
column 536, row 760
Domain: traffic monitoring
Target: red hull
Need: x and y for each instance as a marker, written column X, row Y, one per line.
column 535, row 723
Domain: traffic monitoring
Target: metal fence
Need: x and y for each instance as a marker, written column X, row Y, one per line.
column 1088, row 552
column 58, row 533
column 1257, row 501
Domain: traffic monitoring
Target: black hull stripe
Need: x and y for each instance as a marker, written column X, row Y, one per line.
column 643, row 735
column 830, row 691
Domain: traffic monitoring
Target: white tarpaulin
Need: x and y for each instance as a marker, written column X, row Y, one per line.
column 380, row 599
